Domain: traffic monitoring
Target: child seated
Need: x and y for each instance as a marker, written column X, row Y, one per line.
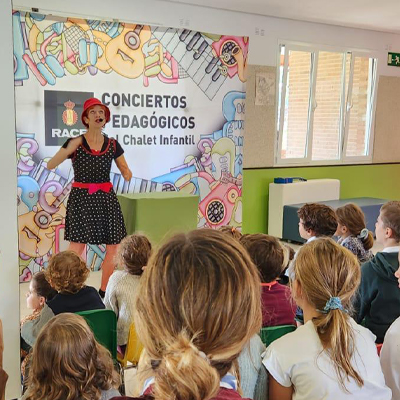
column 68, row 363
column 353, row 233
column 133, row 253
column 67, row 273
column 390, row 358
column 268, row 255
column 330, row 357
column 231, row 231
column 40, row 291
column 198, row 305
column 316, row 220
column 390, row 353
column 288, row 255
column 378, row 300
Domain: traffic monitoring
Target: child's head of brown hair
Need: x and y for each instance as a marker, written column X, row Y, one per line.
column 352, row 217
column 266, row 253
column 42, row 287
column 390, row 216
column 318, row 218
column 133, row 253
column 67, row 272
column 67, row 362
column 191, row 334
column 231, row 231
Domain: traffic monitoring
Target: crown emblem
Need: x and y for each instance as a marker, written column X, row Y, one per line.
column 69, row 116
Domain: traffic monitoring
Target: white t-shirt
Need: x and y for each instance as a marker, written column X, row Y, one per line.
column 390, row 358
column 297, row 359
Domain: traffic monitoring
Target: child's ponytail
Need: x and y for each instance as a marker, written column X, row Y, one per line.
column 352, row 217
column 367, row 238
column 337, row 338
column 190, row 370
column 329, row 276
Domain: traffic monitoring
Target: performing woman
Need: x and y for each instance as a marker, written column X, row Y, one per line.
column 93, row 212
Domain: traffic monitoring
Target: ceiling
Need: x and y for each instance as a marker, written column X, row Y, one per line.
column 376, row 15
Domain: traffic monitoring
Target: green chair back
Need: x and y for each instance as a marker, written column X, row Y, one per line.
column 271, row 333
column 104, row 326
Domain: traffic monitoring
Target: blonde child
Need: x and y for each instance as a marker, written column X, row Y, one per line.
column 330, row 357
column 67, row 273
column 68, row 363
column 197, row 307
column 353, row 233
column 133, row 255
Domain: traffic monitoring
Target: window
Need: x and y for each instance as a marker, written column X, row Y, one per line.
column 325, row 106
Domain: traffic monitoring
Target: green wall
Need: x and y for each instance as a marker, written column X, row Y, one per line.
column 379, row 180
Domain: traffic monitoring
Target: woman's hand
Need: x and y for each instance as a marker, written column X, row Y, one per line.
column 123, row 167
column 127, row 174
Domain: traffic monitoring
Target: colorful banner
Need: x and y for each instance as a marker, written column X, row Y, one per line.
column 177, row 102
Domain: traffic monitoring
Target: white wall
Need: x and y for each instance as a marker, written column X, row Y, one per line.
column 9, row 276
column 263, row 51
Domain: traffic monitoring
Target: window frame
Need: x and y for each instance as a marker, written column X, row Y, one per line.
column 344, row 109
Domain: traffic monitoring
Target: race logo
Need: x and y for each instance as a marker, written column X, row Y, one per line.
column 62, row 110
column 69, row 116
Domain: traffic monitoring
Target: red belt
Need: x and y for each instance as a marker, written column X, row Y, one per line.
column 94, row 187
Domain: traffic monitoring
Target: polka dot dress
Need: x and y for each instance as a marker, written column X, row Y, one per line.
column 94, row 218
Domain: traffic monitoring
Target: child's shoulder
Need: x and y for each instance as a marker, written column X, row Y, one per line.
column 118, row 276
column 302, row 337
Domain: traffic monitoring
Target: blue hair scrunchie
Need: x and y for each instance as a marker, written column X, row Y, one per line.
column 334, row 303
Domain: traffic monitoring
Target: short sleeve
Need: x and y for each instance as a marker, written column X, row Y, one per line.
column 118, row 149
column 272, row 363
column 65, row 145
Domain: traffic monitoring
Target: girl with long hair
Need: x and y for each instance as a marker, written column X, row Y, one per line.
column 330, row 356
column 198, row 306
column 68, row 364
column 353, row 233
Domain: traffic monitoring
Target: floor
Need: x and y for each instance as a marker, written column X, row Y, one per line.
column 94, row 280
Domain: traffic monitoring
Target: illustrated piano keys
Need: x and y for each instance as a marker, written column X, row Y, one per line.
column 63, row 195
column 135, row 185
column 42, row 175
column 193, row 52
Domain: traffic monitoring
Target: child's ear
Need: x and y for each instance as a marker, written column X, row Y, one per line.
column 297, row 290
column 42, row 300
column 388, row 233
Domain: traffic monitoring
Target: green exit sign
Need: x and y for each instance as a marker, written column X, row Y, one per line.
column 394, row 59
